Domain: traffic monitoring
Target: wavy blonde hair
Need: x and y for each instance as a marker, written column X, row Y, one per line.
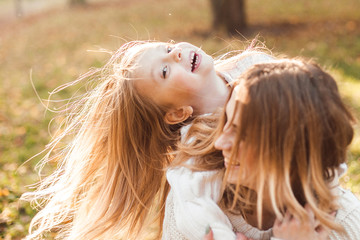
column 110, row 176
column 294, row 123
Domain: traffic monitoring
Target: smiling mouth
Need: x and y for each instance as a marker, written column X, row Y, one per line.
column 195, row 60
column 227, row 163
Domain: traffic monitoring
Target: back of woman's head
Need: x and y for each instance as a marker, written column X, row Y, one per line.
column 112, row 169
column 296, row 127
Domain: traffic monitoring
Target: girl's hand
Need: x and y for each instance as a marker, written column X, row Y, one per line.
column 291, row 228
column 209, row 236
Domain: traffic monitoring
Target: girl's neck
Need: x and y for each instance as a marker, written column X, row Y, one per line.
column 215, row 96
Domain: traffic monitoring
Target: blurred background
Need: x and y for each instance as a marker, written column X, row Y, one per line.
column 51, row 42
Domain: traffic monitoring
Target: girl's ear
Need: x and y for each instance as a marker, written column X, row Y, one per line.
column 178, row 115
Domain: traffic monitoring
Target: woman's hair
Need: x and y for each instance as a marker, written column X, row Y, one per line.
column 295, row 125
column 296, row 129
column 109, row 176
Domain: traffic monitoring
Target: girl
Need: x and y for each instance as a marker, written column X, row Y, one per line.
column 284, row 133
column 110, row 154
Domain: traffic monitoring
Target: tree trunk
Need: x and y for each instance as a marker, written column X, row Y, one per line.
column 77, row 2
column 18, row 8
column 229, row 14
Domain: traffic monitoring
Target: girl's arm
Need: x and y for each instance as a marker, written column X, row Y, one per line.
column 194, row 198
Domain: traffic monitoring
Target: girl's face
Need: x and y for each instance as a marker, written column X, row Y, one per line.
column 227, row 141
column 174, row 75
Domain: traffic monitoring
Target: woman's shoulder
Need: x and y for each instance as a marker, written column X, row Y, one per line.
column 236, row 65
column 348, row 215
column 348, row 203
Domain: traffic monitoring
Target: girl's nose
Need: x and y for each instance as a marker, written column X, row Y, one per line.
column 176, row 54
column 222, row 143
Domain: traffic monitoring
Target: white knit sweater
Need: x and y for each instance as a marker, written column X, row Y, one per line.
column 191, row 207
column 348, row 216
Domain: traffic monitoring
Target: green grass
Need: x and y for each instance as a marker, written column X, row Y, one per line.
column 52, row 48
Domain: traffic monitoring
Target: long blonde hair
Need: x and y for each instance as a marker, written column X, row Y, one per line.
column 111, row 172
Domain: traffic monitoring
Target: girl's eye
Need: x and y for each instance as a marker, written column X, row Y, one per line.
column 169, row 49
column 164, row 71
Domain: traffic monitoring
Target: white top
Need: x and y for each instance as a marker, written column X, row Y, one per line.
column 348, row 216
column 191, row 207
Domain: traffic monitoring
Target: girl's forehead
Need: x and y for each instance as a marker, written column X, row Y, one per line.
column 141, row 58
column 145, row 54
column 151, row 46
column 144, row 71
column 136, row 52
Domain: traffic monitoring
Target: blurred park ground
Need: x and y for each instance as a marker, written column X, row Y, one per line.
column 49, row 43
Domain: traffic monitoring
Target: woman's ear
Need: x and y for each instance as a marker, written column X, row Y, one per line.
column 178, row 115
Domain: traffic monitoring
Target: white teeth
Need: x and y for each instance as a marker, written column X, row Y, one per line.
column 195, row 59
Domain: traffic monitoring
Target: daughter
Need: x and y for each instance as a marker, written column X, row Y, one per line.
column 284, row 133
column 115, row 143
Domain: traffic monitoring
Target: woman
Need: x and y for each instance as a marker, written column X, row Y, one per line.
column 284, row 134
column 117, row 138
